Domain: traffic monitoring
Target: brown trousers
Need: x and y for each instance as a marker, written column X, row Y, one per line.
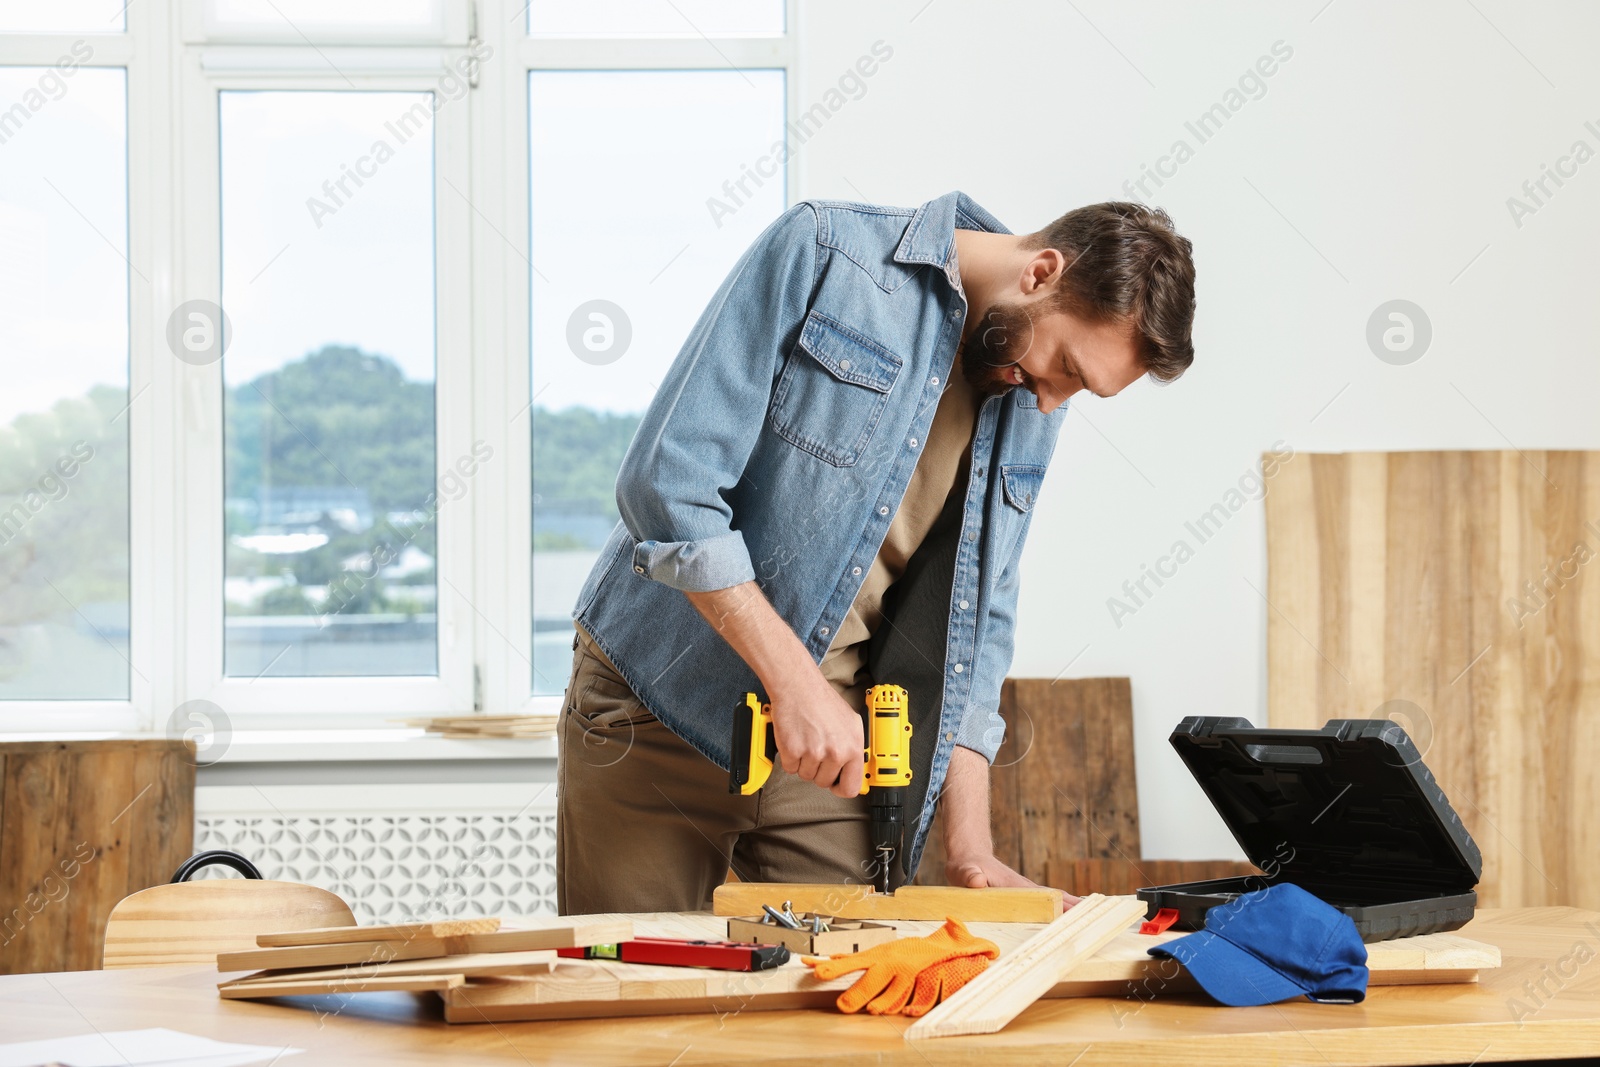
column 644, row 822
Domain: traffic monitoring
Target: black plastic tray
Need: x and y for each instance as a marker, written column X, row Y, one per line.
column 1349, row 813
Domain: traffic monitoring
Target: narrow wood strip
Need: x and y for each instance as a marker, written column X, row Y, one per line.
column 294, row 956
column 479, row 964
column 405, row 983
column 1010, row 985
column 339, row 935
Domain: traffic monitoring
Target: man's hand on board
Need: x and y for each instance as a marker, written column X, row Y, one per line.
column 983, row 871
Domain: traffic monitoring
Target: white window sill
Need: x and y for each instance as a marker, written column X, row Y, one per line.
column 374, row 744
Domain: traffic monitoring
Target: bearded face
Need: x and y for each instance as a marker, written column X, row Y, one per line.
column 990, row 356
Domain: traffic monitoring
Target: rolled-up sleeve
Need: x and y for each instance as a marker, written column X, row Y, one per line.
column 697, row 435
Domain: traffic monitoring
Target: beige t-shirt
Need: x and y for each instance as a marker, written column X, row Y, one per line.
column 941, row 471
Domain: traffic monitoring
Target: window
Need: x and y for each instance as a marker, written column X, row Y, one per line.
column 327, row 286
column 64, row 541
column 622, row 268
column 303, row 278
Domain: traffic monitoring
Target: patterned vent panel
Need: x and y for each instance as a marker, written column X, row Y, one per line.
column 400, row 867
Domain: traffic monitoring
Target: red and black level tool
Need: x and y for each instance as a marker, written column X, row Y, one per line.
column 674, row 952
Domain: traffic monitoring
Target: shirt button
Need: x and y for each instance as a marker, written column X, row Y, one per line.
column 883, row 511
column 913, row 442
column 638, row 570
column 935, row 380
column 949, row 737
column 978, row 471
column 855, row 570
column 959, row 668
column 972, row 535
column 824, row 631
column 844, row 364
column 963, row 605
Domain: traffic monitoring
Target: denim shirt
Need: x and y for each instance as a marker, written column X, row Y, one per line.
column 777, row 450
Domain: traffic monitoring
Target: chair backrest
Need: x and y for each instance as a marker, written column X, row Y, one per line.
column 190, row 922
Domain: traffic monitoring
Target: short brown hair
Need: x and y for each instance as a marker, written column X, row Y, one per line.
column 1126, row 263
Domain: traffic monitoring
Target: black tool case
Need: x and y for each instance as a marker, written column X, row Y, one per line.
column 1348, row 812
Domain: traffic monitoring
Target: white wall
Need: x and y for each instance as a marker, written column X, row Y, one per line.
column 1377, row 165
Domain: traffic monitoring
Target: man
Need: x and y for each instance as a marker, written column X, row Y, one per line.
column 831, row 489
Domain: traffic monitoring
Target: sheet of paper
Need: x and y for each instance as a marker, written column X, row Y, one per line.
column 138, row 1048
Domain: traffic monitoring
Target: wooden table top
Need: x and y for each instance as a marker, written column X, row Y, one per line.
column 1543, row 1003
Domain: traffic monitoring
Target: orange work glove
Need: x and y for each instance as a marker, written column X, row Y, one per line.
column 939, row 982
column 892, row 968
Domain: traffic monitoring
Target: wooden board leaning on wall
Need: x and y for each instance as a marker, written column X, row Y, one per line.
column 1452, row 592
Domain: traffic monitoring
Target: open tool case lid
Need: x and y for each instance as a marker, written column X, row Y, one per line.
column 1348, row 812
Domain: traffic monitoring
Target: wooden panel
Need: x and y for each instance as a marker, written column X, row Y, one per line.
column 83, row 824
column 1062, row 785
column 1451, row 591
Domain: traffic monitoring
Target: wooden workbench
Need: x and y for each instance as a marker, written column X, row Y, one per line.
column 1506, row 1016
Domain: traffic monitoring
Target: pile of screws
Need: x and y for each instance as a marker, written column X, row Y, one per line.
column 789, row 920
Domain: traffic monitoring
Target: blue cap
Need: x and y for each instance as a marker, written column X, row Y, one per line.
column 1274, row 944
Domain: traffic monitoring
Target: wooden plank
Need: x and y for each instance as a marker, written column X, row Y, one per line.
column 908, row 902
column 477, row 964
column 570, row 933
column 1453, row 592
column 101, row 784
column 293, row 956
column 1009, row 985
column 1052, row 785
column 1110, row 798
column 339, row 935
column 82, row 824
column 1062, row 786
column 403, row 983
column 576, row 932
column 1005, row 779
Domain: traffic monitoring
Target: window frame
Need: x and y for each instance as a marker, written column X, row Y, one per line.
column 509, row 661
column 482, row 343
column 114, row 50
column 319, row 698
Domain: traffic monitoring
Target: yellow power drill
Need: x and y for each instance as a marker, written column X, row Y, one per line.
column 887, row 755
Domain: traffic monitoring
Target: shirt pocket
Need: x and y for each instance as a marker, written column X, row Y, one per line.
column 1021, row 482
column 833, row 390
